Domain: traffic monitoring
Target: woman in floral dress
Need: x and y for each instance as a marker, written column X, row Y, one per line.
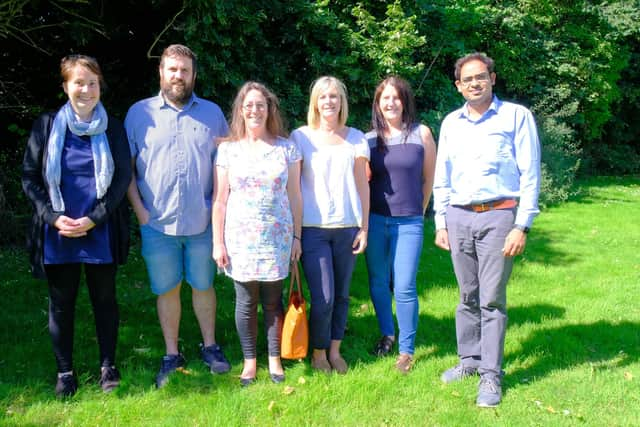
column 257, row 219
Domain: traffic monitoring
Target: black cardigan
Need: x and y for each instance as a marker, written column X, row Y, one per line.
column 112, row 207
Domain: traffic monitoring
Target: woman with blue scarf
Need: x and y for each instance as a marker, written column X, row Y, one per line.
column 76, row 171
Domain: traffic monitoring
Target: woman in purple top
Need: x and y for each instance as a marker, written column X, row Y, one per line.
column 76, row 171
column 400, row 178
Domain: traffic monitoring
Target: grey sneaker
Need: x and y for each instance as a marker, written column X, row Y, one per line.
column 169, row 364
column 489, row 392
column 212, row 355
column 458, row 373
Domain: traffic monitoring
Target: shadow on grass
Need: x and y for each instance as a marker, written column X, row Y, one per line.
column 601, row 344
column 438, row 333
column 588, row 190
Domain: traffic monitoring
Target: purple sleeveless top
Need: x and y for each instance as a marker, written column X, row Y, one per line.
column 396, row 174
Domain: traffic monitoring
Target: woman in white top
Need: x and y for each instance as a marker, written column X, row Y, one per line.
column 335, row 215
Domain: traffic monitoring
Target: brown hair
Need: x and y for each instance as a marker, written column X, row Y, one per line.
column 69, row 62
column 475, row 56
column 378, row 122
column 275, row 125
column 179, row 50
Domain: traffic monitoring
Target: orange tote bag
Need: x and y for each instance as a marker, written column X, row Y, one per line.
column 295, row 331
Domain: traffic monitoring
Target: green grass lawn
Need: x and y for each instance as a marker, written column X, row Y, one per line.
column 571, row 355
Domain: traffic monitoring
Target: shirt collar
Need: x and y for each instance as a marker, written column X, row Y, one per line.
column 162, row 103
column 463, row 112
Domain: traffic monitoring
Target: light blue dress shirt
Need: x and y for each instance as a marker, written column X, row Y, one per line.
column 494, row 157
column 174, row 152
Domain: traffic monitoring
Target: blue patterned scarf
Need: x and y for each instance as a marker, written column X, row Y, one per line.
column 102, row 159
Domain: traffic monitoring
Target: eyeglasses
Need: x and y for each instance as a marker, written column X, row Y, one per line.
column 258, row 106
column 480, row 78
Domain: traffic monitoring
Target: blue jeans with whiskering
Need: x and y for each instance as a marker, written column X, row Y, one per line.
column 393, row 253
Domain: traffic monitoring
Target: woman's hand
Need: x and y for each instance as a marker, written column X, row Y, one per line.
column 142, row 215
column 69, row 227
column 220, row 255
column 360, row 242
column 296, row 250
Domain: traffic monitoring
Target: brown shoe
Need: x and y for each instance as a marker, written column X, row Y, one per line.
column 404, row 363
column 321, row 365
column 339, row 365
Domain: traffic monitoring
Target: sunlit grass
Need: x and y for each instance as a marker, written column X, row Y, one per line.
column 571, row 353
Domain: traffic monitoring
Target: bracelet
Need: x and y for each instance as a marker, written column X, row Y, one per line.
column 296, row 237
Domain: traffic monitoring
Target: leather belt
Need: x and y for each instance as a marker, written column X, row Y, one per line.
column 492, row 205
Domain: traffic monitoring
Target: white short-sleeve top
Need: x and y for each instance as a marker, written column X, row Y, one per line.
column 329, row 195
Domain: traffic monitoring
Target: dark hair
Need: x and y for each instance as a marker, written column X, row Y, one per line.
column 179, row 50
column 275, row 125
column 475, row 56
column 70, row 61
column 378, row 122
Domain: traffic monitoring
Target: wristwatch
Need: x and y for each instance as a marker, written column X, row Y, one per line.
column 522, row 228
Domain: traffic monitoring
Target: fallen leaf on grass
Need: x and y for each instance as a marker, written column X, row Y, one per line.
column 628, row 376
column 184, row 371
column 288, row 390
column 271, row 405
column 364, row 307
column 550, row 409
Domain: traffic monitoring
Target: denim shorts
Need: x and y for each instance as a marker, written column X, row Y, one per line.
column 170, row 259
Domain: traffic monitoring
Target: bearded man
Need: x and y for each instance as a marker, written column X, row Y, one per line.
column 172, row 137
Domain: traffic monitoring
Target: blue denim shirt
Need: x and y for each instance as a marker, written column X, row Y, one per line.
column 493, row 157
column 174, row 152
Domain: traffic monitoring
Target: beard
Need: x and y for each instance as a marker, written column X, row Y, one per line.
column 177, row 91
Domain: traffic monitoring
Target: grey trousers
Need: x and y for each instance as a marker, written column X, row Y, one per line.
column 248, row 294
column 476, row 241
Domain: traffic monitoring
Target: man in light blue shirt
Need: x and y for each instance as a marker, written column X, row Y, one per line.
column 485, row 192
column 172, row 137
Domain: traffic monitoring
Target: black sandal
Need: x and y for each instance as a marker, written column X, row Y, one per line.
column 384, row 346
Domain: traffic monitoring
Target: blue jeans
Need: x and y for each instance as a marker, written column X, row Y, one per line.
column 393, row 253
column 328, row 261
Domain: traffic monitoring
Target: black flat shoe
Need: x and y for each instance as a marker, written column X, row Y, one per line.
column 384, row 346
column 246, row 382
column 277, row 378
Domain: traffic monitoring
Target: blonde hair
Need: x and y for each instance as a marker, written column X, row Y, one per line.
column 275, row 125
column 320, row 85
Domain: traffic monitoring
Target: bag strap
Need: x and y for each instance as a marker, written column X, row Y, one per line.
column 294, row 279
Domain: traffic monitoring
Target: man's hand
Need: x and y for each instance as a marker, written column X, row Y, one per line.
column 442, row 239
column 514, row 243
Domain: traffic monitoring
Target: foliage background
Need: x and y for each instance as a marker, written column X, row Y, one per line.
column 574, row 64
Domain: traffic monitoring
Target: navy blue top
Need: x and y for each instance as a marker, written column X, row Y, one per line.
column 78, row 187
column 396, row 175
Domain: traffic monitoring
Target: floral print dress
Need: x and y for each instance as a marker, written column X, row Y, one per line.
column 258, row 228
